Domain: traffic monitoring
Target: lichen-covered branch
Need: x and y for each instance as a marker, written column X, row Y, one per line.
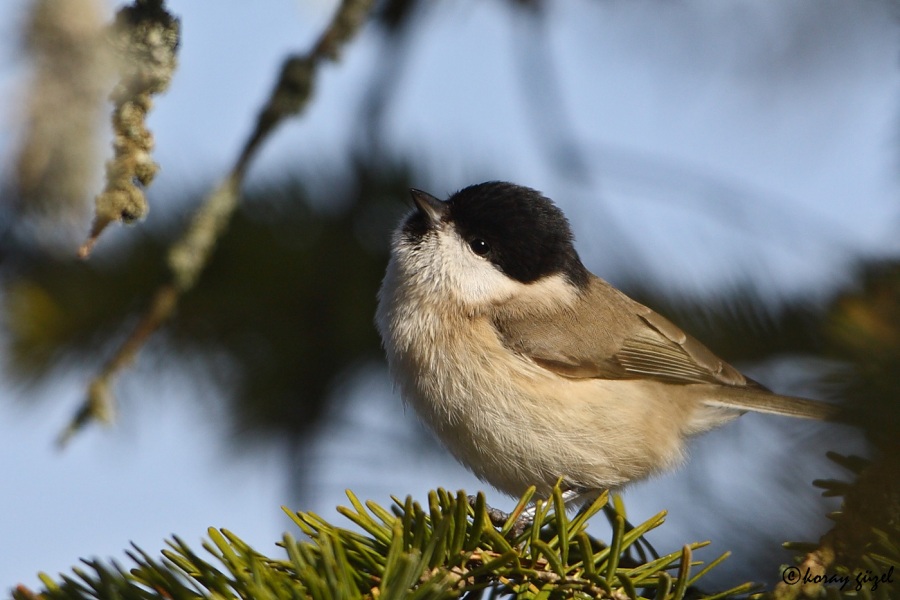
column 191, row 252
column 145, row 40
column 295, row 83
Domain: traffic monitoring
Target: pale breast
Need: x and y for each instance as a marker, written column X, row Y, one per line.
column 515, row 424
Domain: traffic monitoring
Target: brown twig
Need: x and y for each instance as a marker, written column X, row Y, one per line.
column 190, row 254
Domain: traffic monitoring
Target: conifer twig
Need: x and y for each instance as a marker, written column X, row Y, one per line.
column 191, row 252
column 443, row 550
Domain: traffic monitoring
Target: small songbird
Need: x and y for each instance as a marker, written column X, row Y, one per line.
column 529, row 368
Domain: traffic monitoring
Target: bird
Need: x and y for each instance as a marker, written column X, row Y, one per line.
column 533, row 371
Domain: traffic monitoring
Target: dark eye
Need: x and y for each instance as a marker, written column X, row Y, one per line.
column 479, row 246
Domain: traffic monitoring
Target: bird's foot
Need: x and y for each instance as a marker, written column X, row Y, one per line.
column 500, row 518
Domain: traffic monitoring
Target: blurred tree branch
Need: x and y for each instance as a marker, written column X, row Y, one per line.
column 191, row 252
column 71, row 66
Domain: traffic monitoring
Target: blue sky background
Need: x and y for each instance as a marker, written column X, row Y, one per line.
column 724, row 142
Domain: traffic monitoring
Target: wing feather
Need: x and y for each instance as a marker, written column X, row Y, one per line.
column 607, row 335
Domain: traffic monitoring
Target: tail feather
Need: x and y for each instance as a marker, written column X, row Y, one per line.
column 758, row 400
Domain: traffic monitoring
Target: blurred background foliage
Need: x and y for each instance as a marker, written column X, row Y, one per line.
column 283, row 312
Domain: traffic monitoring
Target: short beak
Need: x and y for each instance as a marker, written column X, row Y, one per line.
column 429, row 206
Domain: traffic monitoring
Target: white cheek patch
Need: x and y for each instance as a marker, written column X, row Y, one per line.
column 473, row 280
column 446, row 269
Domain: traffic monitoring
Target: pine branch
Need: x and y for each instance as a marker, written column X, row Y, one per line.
column 443, row 550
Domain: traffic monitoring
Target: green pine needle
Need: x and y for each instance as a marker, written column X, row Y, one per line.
column 445, row 550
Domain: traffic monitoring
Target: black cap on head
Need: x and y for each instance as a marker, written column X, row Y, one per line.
column 527, row 235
